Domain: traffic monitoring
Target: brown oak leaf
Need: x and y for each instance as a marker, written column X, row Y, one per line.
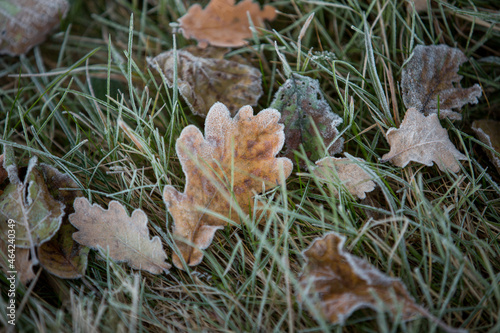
column 26, row 23
column 430, row 82
column 203, row 81
column 125, row 237
column 234, row 159
column 222, row 23
column 422, row 139
column 346, row 172
column 304, row 108
column 345, row 283
column 488, row 131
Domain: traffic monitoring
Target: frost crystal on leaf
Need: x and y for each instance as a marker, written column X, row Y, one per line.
column 422, row 139
column 429, row 82
column 224, row 169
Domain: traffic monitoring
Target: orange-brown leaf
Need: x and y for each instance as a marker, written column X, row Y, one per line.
column 345, row 283
column 233, row 160
column 222, row 23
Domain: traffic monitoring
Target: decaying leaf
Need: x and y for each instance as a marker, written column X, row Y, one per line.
column 234, row 159
column 430, row 82
column 422, row 139
column 3, row 172
column 61, row 255
column 26, row 23
column 222, row 23
column 488, row 131
column 345, row 283
column 37, row 214
column 346, row 172
column 23, row 265
column 204, row 81
column 126, row 238
column 303, row 107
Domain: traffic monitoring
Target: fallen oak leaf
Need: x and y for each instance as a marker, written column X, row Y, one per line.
column 303, row 108
column 428, row 79
column 222, row 23
column 345, row 283
column 203, row 81
column 240, row 151
column 422, row 139
column 488, row 131
column 126, row 238
column 346, row 172
column 26, row 23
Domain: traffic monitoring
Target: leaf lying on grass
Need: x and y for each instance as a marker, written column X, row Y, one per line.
column 222, row 23
column 3, row 172
column 346, row 172
column 203, row 81
column 126, row 238
column 22, row 262
column 488, row 131
column 345, row 283
column 428, row 79
column 233, row 160
column 422, row 139
column 303, row 107
column 26, row 23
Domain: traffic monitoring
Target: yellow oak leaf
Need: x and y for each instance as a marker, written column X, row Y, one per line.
column 222, row 23
column 225, row 168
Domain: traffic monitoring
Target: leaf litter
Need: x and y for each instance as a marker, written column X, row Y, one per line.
column 303, row 108
column 205, row 78
column 222, row 23
column 422, row 139
column 431, row 84
column 125, row 238
column 344, row 283
column 225, row 168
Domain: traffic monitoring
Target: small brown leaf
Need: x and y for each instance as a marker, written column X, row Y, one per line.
column 422, row 139
column 234, row 159
column 303, row 107
column 26, row 23
column 222, row 23
column 22, row 262
column 346, row 172
column 345, row 283
column 126, row 238
column 488, row 131
column 430, row 82
column 3, row 172
column 205, row 81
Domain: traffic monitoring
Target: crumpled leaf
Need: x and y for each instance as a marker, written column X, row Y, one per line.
column 303, row 107
column 205, row 81
column 23, row 265
column 422, row 139
column 488, row 131
column 26, row 23
column 233, row 160
column 222, row 23
column 37, row 214
column 346, row 172
column 126, row 238
column 61, row 255
column 429, row 81
column 345, row 283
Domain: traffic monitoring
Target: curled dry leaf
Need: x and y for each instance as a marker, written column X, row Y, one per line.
column 488, row 131
column 26, row 23
column 37, row 214
column 303, row 107
column 22, row 263
column 222, row 23
column 346, row 172
column 61, row 255
column 345, row 283
column 203, row 81
column 430, row 82
column 126, row 238
column 422, row 139
column 223, row 169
